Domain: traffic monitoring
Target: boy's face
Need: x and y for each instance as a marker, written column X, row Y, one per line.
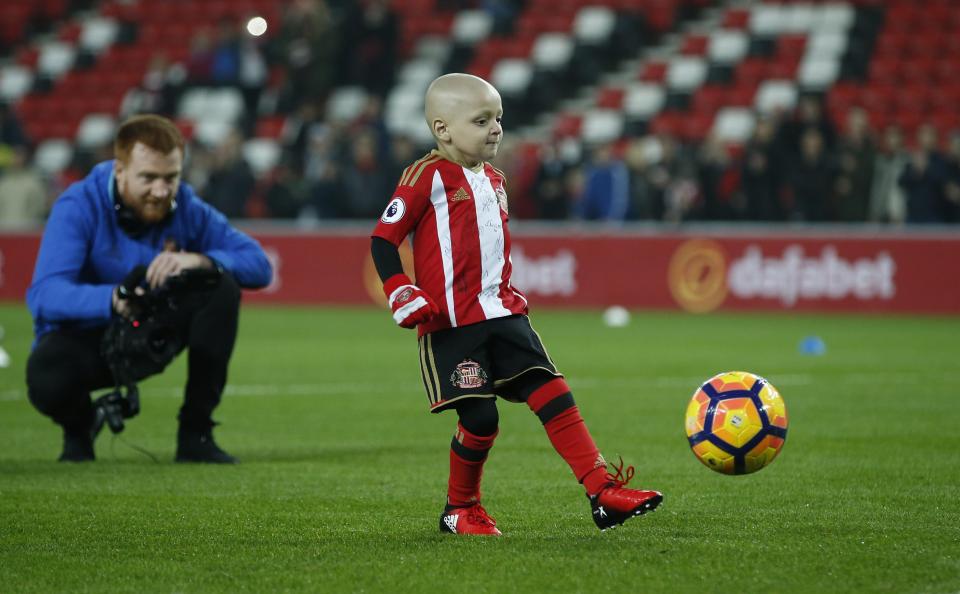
column 475, row 130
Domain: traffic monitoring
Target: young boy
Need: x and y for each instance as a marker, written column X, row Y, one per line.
column 476, row 342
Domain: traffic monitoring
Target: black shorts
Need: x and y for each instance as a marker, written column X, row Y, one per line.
column 482, row 360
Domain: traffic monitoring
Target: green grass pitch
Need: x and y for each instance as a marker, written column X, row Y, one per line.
column 343, row 471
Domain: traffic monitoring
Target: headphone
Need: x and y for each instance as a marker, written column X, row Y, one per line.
column 128, row 220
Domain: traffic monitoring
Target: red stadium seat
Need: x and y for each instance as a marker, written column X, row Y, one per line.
column 736, row 18
column 610, row 98
column 694, row 45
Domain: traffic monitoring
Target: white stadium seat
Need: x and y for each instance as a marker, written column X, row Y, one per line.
column 767, row 20
column 818, row 73
column 56, row 57
column 643, row 100
column 52, row 156
column 98, row 33
column 686, row 73
column 512, row 76
column 205, row 104
column 601, row 126
column 594, row 24
column 262, row 154
column 727, row 46
column 829, row 43
column 552, row 51
column 471, row 26
column 403, row 113
column 345, row 104
column 96, row 130
column 419, row 72
column 211, row 133
column 15, row 82
column 733, row 124
column 433, row 48
column 800, row 17
column 838, row 16
column 775, row 96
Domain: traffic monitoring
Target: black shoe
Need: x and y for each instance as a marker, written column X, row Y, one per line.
column 77, row 446
column 197, row 445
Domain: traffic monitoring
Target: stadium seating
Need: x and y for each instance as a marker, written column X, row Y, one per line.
column 595, row 72
column 69, row 86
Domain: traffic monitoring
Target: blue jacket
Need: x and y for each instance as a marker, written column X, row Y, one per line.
column 84, row 253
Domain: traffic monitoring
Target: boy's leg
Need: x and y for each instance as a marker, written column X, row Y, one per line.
column 550, row 399
column 611, row 503
column 476, row 431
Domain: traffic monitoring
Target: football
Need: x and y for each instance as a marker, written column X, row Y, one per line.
column 736, row 423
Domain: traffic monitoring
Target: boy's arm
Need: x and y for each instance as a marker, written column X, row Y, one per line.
column 409, row 303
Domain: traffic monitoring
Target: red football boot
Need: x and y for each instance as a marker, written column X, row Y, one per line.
column 468, row 520
column 616, row 504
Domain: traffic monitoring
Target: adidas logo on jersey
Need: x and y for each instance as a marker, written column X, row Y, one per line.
column 460, row 194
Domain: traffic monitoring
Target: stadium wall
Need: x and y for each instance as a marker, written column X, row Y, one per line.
column 699, row 270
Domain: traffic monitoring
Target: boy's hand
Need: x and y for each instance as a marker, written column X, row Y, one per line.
column 410, row 304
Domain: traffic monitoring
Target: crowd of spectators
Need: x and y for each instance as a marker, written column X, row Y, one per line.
column 797, row 167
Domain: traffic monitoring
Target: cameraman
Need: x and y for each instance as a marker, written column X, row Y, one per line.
column 134, row 211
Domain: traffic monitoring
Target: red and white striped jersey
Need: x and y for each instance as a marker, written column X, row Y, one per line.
column 461, row 244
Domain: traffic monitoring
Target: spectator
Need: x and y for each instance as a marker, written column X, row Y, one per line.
column 23, row 196
column 402, row 152
column 641, row 157
column 253, row 76
column 606, row 188
column 225, row 63
column 323, row 173
column 370, row 59
column 808, row 115
column 231, row 180
column 520, row 167
column 551, row 197
column 503, row 13
column 855, row 160
column 924, row 180
column 158, row 91
column 761, row 174
column 307, row 45
column 717, row 179
column 200, row 59
column 811, row 179
column 887, row 202
column 366, row 187
column 952, row 192
column 286, row 192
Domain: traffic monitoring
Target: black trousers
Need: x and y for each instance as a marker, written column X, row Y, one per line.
column 66, row 365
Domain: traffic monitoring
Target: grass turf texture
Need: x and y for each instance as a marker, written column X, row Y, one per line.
column 344, row 472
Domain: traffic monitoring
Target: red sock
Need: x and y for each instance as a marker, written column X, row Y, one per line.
column 553, row 403
column 468, row 452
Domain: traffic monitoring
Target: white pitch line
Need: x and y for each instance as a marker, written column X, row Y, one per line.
column 618, row 383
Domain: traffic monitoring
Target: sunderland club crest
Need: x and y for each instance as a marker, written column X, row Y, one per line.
column 468, row 374
column 404, row 295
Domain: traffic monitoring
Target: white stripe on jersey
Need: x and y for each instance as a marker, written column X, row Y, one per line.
column 438, row 197
column 490, row 229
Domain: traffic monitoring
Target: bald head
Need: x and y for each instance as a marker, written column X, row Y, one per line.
column 464, row 112
column 454, row 94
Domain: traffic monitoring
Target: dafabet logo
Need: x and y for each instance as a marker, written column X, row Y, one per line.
column 702, row 275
